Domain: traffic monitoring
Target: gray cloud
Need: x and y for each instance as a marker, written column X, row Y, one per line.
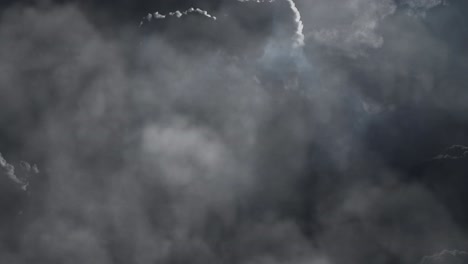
column 453, row 152
column 27, row 171
column 421, row 6
column 446, row 257
column 359, row 29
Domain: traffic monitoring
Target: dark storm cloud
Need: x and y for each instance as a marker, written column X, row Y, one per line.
column 236, row 140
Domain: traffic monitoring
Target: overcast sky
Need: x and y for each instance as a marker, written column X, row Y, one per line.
column 251, row 132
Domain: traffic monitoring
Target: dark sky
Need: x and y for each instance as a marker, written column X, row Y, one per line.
column 321, row 132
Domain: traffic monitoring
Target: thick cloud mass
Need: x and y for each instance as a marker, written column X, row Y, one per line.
column 320, row 132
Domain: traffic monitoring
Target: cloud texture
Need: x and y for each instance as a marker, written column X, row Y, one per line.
column 237, row 140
